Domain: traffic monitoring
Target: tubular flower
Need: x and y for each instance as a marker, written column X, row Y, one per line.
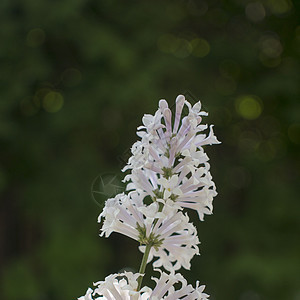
column 173, row 239
column 123, row 287
column 170, row 159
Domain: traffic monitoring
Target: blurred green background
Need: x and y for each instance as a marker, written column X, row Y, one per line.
column 77, row 77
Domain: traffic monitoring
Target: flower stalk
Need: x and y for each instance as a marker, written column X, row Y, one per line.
column 143, row 266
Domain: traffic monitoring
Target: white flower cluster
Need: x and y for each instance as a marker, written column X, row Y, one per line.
column 168, row 171
column 125, row 288
column 169, row 163
column 174, row 239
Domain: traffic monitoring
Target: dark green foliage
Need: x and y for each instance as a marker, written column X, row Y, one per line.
column 76, row 78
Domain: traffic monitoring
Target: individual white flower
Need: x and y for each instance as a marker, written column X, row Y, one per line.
column 124, row 287
column 173, row 239
column 170, row 186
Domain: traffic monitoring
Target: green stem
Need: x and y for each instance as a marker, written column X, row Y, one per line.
column 146, row 254
column 143, row 265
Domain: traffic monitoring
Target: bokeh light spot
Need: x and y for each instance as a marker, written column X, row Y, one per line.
column 39, row 96
column 271, row 46
column 249, row 107
column 179, row 47
column 266, row 151
column 53, row 102
column 183, row 49
column 270, row 50
column 268, row 61
column 255, row 12
column 249, row 141
column 201, row 47
column 280, row 7
column 35, row 37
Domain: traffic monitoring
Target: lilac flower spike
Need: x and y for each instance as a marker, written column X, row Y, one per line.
column 167, row 173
